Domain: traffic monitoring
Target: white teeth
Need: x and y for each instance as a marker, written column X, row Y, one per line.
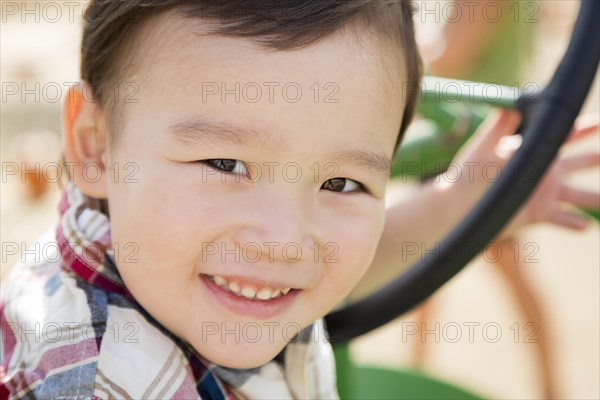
column 219, row 280
column 248, row 292
column 234, row 287
column 264, row 294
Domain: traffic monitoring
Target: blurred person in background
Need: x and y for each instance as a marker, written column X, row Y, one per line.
column 492, row 42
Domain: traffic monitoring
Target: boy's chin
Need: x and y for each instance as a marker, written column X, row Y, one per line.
column 238, row 354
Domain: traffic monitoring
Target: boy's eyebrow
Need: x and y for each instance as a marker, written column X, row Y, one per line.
column 364, row 158
column 200, row 130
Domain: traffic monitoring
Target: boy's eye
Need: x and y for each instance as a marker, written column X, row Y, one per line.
column 228, row 165
column 343, row 185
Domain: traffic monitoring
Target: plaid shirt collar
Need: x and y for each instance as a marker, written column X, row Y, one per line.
column 86, row 250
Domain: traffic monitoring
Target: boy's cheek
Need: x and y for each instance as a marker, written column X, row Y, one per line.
column 346, row 266
column 346, row 277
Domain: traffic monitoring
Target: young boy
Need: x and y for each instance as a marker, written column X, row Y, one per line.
column 229, row 166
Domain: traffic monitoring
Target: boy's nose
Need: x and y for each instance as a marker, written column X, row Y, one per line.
column 280, row 222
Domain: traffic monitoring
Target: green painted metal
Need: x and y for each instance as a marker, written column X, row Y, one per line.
column 358, row 382
column 433, row 140
column 595, row 214
column 441, row 90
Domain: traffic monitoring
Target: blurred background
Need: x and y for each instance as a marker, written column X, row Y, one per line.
column 476, row 335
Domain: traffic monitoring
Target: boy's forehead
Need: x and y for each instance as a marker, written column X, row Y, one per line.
column 178, row 59
column 172, row 40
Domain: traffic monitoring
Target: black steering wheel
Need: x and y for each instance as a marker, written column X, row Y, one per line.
column 548, row 118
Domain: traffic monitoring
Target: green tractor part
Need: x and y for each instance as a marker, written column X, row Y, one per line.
column 362, row 382
column 449, row 112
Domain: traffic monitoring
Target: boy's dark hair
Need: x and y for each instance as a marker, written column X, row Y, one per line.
column 279, row 25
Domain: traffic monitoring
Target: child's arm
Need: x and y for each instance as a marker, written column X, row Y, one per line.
column 417, row 223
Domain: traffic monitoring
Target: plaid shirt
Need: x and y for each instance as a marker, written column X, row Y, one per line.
column 71, row 330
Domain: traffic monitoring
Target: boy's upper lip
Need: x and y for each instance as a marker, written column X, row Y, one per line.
column 259, row 282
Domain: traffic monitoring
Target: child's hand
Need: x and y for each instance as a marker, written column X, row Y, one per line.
column 493, row 145
column 551, row 200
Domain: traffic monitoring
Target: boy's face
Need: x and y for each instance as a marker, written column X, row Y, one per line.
column 309, row 127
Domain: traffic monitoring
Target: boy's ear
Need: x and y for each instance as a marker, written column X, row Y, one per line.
column 85, row 138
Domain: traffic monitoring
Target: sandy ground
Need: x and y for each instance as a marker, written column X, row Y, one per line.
column 497, row 358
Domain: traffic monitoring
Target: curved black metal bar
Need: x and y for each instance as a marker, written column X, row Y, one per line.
column 549, row 118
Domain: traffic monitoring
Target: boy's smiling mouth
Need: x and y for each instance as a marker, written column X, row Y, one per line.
column 248, row 290
column 259, row 300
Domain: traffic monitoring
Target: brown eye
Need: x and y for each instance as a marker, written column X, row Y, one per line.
column 342, row 185
column 228, row 165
